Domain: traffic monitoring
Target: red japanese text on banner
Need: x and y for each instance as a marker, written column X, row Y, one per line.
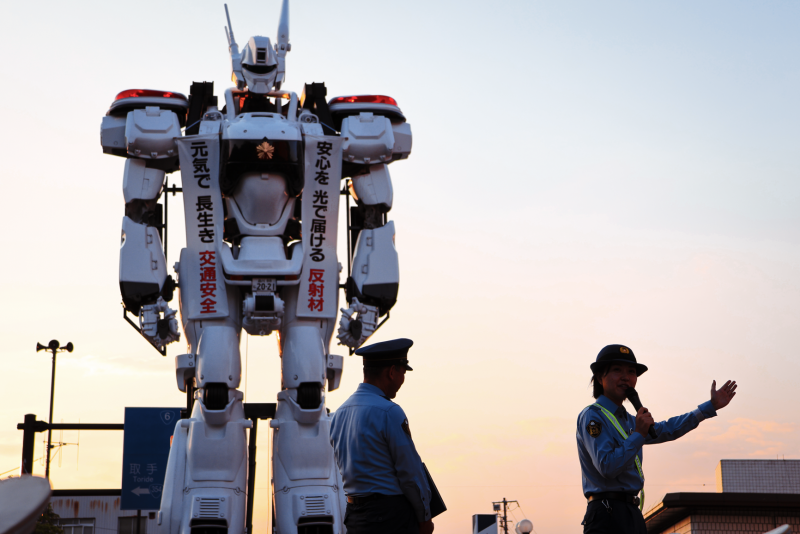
column 319, row 282
column 203, row 294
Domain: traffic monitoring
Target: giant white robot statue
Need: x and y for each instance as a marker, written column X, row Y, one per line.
column 261, row 182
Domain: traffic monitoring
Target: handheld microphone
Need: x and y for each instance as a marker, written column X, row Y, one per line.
column 637, row 404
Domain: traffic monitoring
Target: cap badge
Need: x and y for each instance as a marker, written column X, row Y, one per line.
column 624, row 350
column 265, row 150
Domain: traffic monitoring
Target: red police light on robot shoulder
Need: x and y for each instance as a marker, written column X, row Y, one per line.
column 133, row 99
column 131, row 93
column 365, row 99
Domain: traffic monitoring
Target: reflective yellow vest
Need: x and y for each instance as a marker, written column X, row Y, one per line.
column 613, row 420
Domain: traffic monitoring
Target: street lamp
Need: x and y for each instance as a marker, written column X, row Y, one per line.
column 53, row 347
column 524, row 527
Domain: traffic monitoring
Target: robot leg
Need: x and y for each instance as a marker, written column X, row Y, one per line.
column 206, row 481
column 307, row 486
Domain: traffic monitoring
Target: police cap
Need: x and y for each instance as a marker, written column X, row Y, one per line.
column 617, row 354
column 387, row 353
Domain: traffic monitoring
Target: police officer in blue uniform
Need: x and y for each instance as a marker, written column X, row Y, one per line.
column 610, row 442
column 386, row 486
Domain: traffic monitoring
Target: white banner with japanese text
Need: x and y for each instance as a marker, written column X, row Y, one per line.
column 203, row 295
column 319, row 281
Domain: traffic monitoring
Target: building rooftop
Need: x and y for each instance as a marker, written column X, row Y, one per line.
column 677, row 506
column 758, row 476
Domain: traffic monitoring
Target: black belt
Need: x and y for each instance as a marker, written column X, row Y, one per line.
column 361, row 499
column 614, row 496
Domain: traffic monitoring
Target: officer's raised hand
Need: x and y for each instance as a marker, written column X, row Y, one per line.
column 644, row 420
column 722, row 397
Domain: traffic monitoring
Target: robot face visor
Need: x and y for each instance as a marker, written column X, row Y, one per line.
column 259, row 69
column 266, row 152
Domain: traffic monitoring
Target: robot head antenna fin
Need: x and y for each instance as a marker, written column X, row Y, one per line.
column 236, row 57
column 282, row 46
column 229, row 30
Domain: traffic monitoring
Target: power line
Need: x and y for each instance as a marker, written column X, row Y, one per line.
column 568, row 486
column 527, row 517
column 40, row 458
column 4, row 472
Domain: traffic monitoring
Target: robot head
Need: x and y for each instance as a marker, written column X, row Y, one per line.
column 259, row 65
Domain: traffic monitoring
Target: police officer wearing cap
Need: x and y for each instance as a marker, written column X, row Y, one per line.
column 386, row 486
column 610, row 442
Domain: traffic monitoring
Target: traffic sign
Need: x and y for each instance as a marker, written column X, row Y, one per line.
column 145, row 449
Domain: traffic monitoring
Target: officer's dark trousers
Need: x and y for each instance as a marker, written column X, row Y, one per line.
column 389, row 515
column 613, row 517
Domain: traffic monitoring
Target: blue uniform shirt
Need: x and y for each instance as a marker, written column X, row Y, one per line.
column 374, row 451
column 607, row 460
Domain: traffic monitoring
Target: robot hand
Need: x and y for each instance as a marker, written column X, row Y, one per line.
column 159, row 330
column 353, row 332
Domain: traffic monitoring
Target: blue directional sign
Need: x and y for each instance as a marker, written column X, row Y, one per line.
column 145, row 449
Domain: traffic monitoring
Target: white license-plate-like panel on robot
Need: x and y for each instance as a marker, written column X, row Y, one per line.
column 264, row 285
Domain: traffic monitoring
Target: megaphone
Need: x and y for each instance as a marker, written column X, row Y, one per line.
column 39, row 347
column 69, row 347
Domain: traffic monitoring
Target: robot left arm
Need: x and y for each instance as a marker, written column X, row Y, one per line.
column 372, row 287
column 145, row 286
column 375, row 272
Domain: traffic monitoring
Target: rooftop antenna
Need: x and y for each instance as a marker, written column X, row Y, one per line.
column 236, row 57
column 282, row 45
column 59, row 446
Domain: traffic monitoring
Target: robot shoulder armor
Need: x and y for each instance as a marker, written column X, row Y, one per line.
column 142, row 123
column 374, row 128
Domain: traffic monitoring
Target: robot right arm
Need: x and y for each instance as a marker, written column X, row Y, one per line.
column 146, row 288
column 145, row 136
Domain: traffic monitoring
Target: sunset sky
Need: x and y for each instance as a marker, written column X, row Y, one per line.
column 583, row 173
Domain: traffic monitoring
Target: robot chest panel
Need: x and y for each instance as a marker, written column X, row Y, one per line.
column 262, row 143
column 261, row 197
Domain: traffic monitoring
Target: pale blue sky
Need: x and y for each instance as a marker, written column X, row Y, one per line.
column 583, row 173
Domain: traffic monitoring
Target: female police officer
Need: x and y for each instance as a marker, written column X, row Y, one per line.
column 610, row 442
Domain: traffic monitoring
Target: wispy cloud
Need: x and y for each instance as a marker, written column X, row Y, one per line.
column 749, row 437
column 115, row 365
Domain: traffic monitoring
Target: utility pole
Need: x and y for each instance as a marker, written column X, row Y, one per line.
column 53, row 347
column 504, row 519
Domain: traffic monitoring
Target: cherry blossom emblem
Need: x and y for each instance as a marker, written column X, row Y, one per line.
column 265, row 150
